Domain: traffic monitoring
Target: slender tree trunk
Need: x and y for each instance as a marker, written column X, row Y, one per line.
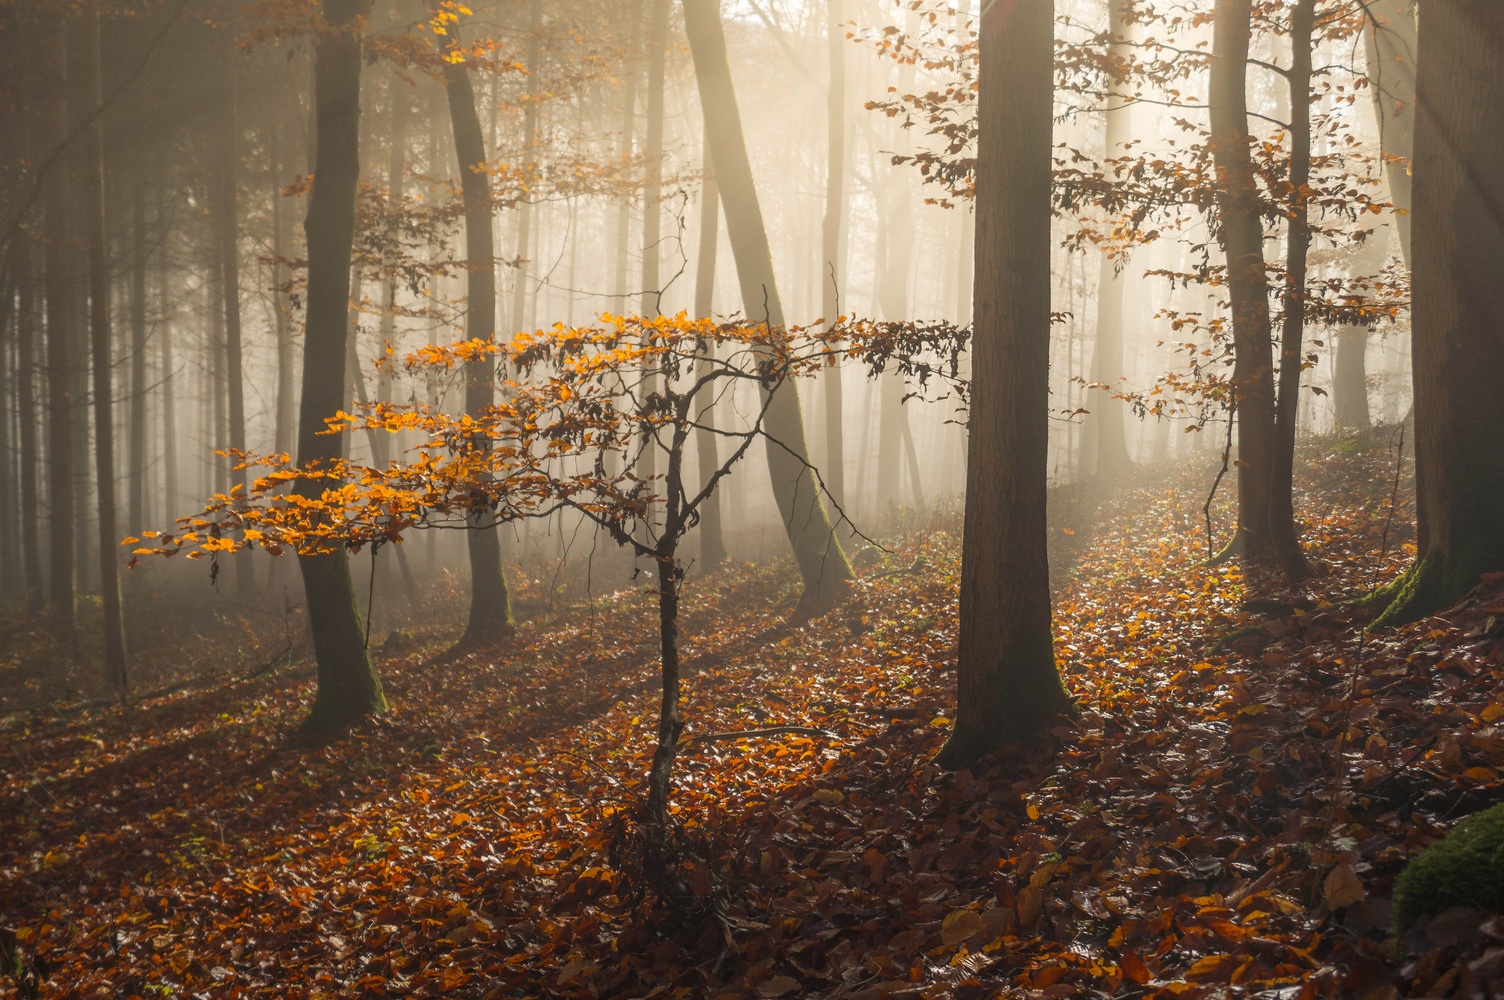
column 1457, row 327
column 490, row 604
column 1008, row 686
column 1104, row 442
column 1389, row 39
column 227, row 163
column 102, row 364
column 822, row 564
column 652, row 211
column 712, row 541
column 895, row 242
column 832, row 242
column 348, row 688
column 1242, row 239
column 530, row 157
column 1282, row 486
column 624, row 151
column 60, row 323
column 136, row 509
column 168, row 388
column 10, row 499
column 284, row 412
column 26, row 353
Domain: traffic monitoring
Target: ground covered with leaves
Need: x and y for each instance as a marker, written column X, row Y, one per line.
column 1249, row 772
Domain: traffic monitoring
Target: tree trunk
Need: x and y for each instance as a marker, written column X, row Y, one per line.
column 490, row 604
column 60, row 322
column 1008, row 686
column 167, row 389
column 1389, row 40
column 1458, row 330
column 228, row 233
column 624, row 151
column 1350, row 378
column 651, row 305
column 895, row 242
column 1104, row 443
column 822, row 564
column 832, row 243
column 26, row 353
column 284, row 413
column 1242, row 238
column 348, row 688
column 530, row 157
column 102, row 365
column 1292, row 328
column 136, row 509
column 712, row 541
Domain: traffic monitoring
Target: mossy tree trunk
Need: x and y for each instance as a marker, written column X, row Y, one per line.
column 348, row 688
column 1457, row 326
column 1008, row 684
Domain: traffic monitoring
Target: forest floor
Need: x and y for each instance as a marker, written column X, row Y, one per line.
column 1249, row 772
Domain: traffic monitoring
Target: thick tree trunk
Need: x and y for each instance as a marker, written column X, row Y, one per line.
column 712, row 541
column 822, row 564
column 651, row 304
column 832, row 243
column 348, row 688
column 1389, row 40
column 1104, row 445
column 1292, row 328
column 1458, row 329
column 490, row 604
column 1242, row 237
column 60, row 333
column 102, row 365
column 1008, row 686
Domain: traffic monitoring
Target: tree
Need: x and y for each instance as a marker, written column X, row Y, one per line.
column 832, row 240
column 1293, row 316
column 53, row 54
column 101, row 361
column 1242, row 238
column 1457, row 327
column 490, row 601
column 1390, row 44
column 822, row 564
column 1104, row 444
column 227, row 232
column 712, row 542
column 348, row 688
column 1008, row 685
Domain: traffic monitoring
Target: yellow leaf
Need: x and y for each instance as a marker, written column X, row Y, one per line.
column 939, row 722
column 958, row 926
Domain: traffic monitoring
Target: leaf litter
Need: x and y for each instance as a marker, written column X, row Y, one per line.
column 1247, row 775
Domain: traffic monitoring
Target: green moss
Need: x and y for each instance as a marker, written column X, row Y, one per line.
column 1464, row 868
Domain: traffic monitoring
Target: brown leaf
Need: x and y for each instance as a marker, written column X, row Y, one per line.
column 1343, row 887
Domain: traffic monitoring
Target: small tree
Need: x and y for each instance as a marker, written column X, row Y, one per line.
column 582, row 401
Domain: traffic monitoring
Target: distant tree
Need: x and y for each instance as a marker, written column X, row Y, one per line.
column 53, row 68
column 1008, row 685
column 822, row 564
column 1457, row 325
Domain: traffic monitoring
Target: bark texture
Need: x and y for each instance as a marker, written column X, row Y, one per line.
column 1457, row 326
column 1008, row 685
column 348, row 688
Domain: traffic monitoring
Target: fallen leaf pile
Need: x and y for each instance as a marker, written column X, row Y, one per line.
column 1247, row 775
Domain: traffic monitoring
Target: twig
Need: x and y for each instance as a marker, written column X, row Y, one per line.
column 1206, row 508
column 744, row 734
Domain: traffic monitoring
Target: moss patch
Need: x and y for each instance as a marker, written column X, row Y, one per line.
column 1464, row 868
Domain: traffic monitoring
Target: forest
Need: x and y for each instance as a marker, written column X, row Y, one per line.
column 914, row 499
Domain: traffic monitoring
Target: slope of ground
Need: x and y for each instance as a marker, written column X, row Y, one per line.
column 1226, row 816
